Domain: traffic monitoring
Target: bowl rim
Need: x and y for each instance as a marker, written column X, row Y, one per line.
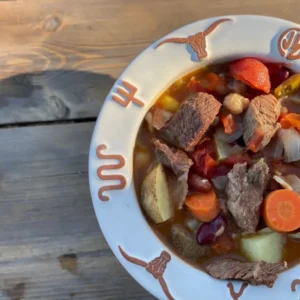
column 114, row 138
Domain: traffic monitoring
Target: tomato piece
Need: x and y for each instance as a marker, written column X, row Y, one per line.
column 195, row 86
column 229, row 123
column 252, row 72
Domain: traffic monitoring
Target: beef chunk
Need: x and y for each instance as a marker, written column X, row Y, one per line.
column 185, row 244
column 245, row 193
column 262, row 115
column 193, row 119
column 172, row 157
column 256, row 273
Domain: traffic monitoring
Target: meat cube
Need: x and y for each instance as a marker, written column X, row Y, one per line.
column 191, row 122
column 185, row 244
column 262, row 115
column 245, row 193
column 256, row 273
column 173, row 158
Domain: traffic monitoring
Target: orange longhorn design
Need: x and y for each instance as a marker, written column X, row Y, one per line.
column 156, row 267
column 294, row 284
column 234, row 295
column 128, row 95
column 196, row 41
column 122, row 180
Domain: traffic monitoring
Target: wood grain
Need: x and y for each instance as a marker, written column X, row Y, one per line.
column 50, row 243
column 59, row 38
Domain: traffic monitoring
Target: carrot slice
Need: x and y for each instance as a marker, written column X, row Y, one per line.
column 294, row 120
column 282, row 210
column 230, row 125
column 204, row 207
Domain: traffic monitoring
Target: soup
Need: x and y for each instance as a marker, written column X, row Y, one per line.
column 216, row 169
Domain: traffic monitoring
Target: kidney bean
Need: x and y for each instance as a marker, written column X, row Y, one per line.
column 208, row 232
column 199, row 184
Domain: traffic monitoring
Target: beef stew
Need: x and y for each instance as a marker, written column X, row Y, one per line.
column 216, row 169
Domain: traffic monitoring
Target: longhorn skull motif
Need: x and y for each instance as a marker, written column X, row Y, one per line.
column 196, row 41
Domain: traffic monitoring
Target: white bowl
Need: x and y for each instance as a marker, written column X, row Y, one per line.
column 141, row 252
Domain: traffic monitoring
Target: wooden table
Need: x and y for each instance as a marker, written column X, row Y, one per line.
column 58, row 60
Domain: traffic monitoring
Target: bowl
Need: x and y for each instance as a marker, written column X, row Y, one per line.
column 123, row 224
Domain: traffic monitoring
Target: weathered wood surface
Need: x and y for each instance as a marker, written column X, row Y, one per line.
column 59, row 38
column 50, row 243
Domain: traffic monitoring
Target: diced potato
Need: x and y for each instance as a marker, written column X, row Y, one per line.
column 223, row 149
column 155, row 197
column 267, row 247
column 169, row 103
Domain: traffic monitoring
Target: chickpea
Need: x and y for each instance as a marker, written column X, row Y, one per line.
column 236, row 103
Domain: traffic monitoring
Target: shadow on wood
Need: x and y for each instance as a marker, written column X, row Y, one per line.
column 52, row 96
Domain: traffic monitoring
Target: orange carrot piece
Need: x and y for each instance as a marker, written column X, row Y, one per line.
column 223, row 244
column 284, row 122
column 282, row 210
column 294, row 120
column 230, row 125
column 204, row 206
column 210, row 81
column 256, row 140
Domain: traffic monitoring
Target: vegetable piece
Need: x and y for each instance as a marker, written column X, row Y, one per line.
column 223, row 149
column 256, row 140
column 236, row 103
column 195, row 86
column 294, row 235
column 199, row 184
column 155, row 198
column 160, row 117
column 266, row 247
column 288, row 87
column 289, row 182
column 229, row 138
column 223, row 244
column 142, row 156
column 185, row 244
column 230, row 125
column 275, row 148
column 178, row 190
column 204, row 163
column 293, row 119
column 192, row 224
column 210, row 81
column 282, row 210
column 209, row 232
column 203, row 206
column 169, row 103
column 291, row 144
column 237, row 86
column 252, row 72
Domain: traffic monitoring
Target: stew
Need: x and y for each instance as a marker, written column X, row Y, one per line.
column 216, row 169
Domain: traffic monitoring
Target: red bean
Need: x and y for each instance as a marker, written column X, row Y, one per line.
column 199, row 184
column 208, row 232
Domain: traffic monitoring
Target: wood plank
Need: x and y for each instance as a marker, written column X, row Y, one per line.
column 50, row 243
column 79, row 47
